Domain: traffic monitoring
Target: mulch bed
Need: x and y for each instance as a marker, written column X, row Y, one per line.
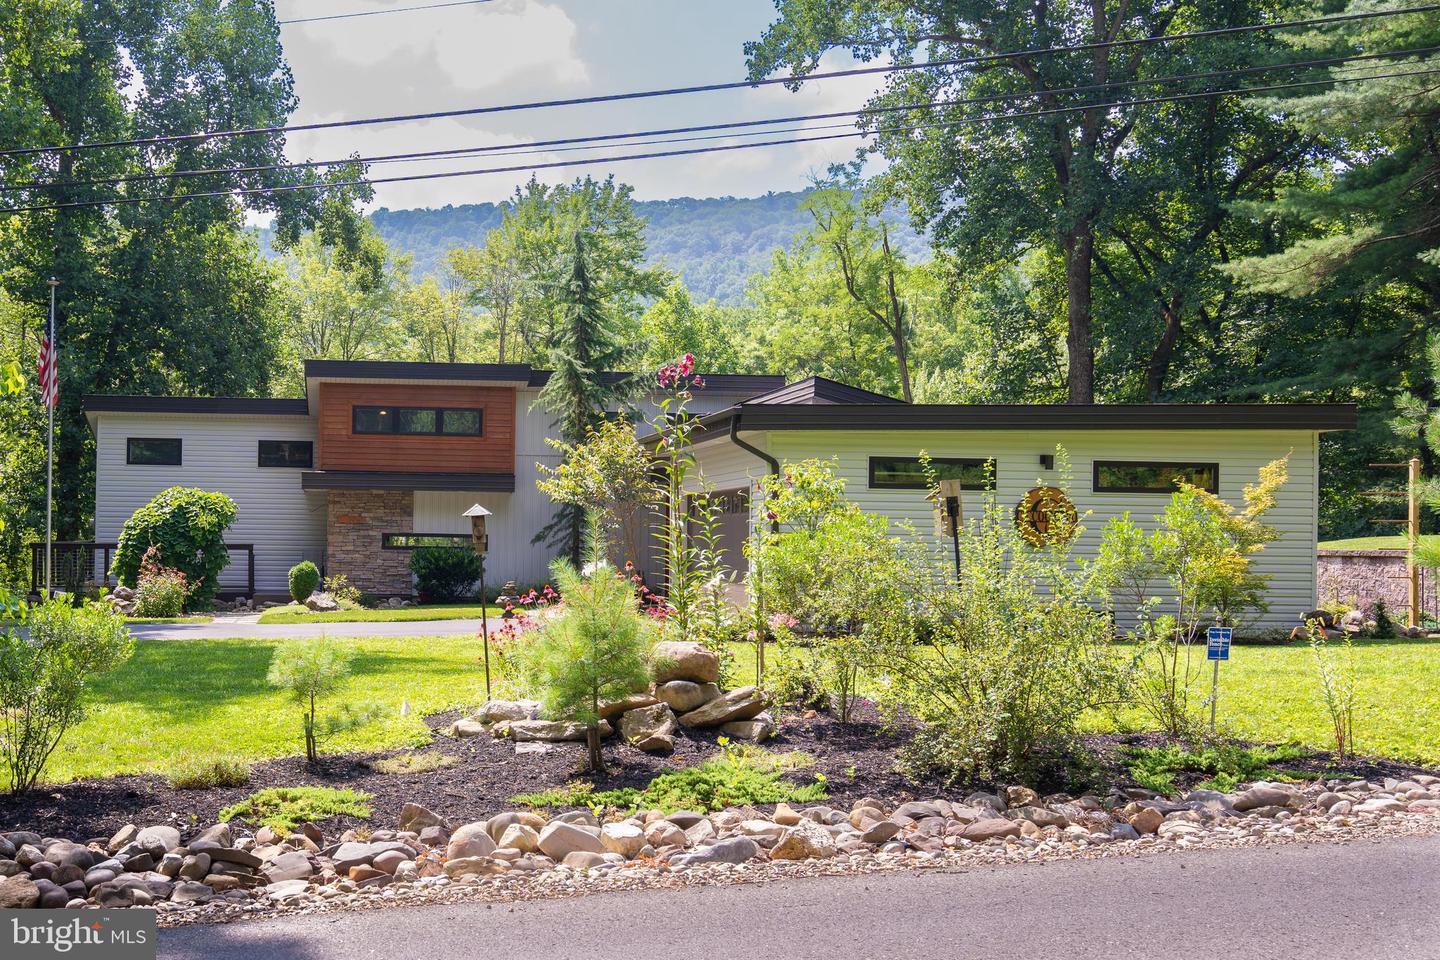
column 857, row 760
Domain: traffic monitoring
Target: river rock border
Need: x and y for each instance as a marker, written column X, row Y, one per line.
column 221, row 874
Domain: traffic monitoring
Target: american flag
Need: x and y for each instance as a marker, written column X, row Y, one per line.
column 47, row 368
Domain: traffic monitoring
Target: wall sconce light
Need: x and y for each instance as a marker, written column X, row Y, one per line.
column 1047, row 461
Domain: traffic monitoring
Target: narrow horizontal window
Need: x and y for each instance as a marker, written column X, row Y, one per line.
column 153, row 451
column 409, row 541
column 908, row 473
column 1127, row 476
column 421, row 421
column 287, row 453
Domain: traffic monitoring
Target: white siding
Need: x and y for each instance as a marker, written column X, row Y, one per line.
column 285, row 524
column 1290, row 560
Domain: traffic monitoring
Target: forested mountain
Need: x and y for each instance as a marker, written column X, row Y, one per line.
column 714, row 243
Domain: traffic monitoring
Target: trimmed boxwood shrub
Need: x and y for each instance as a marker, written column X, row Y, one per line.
column 445, row 574
column 188, row 526
column 304, row 578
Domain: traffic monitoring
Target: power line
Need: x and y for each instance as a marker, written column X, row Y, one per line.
column 376, row 13
column 567, row 144
column 408, row 178
column 712, row 87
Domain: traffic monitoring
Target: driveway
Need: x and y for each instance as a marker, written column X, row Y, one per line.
column 1365, row 900
column 247, row 627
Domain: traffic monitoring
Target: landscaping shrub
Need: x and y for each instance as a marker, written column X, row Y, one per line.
column 161, row 591
column 1016, row 651
column 595, row 650
column 1203, row 550
column 312, row 670
column 43, row 677
column 422, row 761
column 338, row 586
column 285, row 808
column 188, row 526
column 1228, row 765
column 741, row 777
column 304, row 578
column 207, row 773
column 445, row 574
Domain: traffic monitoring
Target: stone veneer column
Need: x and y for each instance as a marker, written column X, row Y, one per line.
column 356, row 520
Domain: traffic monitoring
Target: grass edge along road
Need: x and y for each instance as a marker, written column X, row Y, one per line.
column 179, row 698
column 298, row 613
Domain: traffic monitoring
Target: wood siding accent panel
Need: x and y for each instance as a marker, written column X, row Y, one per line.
column 340, row 448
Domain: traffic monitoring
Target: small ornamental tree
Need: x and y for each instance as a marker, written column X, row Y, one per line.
column 608, row 474
column 43, row 676
column 596, row 649
column 304, row 578
column 312, row 670
column 188, row 527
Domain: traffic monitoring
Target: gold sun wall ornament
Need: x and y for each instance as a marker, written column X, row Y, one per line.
column 1045, row 517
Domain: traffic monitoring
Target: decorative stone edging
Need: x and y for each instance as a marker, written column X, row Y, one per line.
column 218, row 875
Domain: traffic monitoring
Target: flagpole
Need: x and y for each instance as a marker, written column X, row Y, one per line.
column 50, row 451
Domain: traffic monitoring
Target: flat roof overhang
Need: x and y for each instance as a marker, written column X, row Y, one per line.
column 1137, row 416
column 391, row 480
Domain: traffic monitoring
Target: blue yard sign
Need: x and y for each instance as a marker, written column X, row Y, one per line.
column 1217, row 645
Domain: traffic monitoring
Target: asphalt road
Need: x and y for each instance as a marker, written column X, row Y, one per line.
column 1365, row 900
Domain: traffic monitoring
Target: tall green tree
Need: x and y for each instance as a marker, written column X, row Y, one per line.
column 154, row 296
column 1070, row 181
column 675, row 325
column 587, row 342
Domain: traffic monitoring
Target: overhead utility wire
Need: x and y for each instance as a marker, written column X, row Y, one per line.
column 710, row 87
column 584, row 161
column 565, row 144
column 376, row 13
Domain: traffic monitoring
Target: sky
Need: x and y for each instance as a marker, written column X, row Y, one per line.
column 508, row 51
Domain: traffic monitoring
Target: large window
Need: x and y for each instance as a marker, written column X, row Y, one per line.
column 287, row 453
column 432, row 421
column 907, row 473
column 409, row 541
column 1126, row 476
column 153, row 451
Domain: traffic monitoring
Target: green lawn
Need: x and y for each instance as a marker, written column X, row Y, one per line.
column 1394, row 542
column 298, row 613
column 181, row 698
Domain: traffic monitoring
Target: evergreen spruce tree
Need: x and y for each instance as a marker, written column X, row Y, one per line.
column 587, row 344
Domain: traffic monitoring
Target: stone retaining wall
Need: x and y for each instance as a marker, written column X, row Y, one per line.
column 1360, row 577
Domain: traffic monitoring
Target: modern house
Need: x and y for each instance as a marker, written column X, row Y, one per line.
column 380, row 457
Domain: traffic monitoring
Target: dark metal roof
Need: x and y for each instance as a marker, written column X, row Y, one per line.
column 821, row 390
column 253, row 406
column 385, row 480
column 1161, row 416
column 748, row 384
column 413, row 370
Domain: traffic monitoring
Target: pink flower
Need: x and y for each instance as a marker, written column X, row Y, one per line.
column 687, row 364
column 783, row 620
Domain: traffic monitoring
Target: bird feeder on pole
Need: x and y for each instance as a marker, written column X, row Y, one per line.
column 480, row 540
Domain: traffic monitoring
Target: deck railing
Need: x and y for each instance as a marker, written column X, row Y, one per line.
column 76, row 563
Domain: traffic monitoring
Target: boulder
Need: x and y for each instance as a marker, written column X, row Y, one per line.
column 464, row 866
column 880, row 831
column 416, row 818
column 663, row 833
column 288, row 866
column 471, row 840
column 730, row 850
column 807, row 840
column 744, row 703
column 519, row 836
column 158, row 840
column 584, row 860
column 191, row 891
column 686, row 695
column 684, row 660
column 65, row 853
column 756, row 730
column 560, row 838
column 18, row 893
column 121, row 837
column 551, row 731
column 493, row 711
column 990, row 828
column 623, row 838
column 498, row 824
column 650, row 727
column 466, row 729
column 1265, row 796
column 610, row 709
column 1147, row 820
column 322, row 602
